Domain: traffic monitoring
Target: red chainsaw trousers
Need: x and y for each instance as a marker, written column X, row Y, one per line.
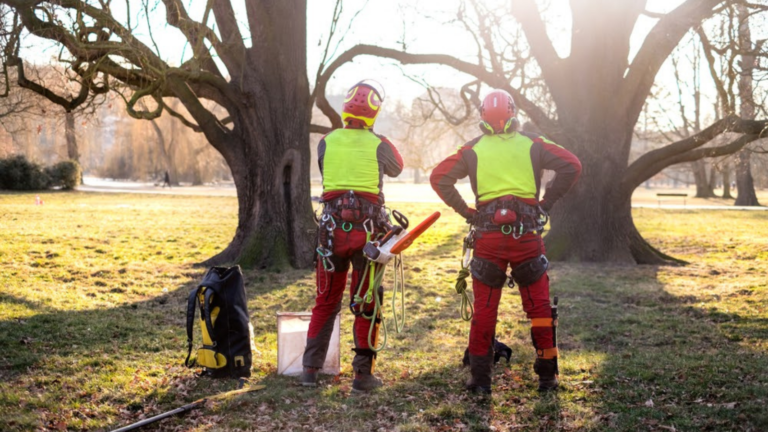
column 347, row 248
column 505, row 250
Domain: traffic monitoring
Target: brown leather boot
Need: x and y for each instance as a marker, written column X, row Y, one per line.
column 480, row 368
column 547, row 371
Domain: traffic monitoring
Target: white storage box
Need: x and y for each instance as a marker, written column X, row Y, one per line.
column 292, row 330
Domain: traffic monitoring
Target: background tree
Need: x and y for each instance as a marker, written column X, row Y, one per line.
column 259, row 80
column 598, row 92
column 431, row 128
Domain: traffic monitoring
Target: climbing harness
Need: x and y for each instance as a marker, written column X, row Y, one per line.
column 511, row 217
column 384, row 243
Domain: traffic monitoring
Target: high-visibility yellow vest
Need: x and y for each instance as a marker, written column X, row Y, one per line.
column 351, row 161
column 504, row 167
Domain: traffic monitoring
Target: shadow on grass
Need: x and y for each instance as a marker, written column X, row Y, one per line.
column 434, row 400
column 666, row 362
column 99, row 362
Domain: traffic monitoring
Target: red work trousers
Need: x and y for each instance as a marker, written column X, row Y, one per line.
column 347, row 249
column 505, row 250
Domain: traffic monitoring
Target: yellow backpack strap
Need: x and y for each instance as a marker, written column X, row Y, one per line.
column 191, row 306
column 208, row 322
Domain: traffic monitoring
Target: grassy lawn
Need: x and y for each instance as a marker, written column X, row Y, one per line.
column 92, row 302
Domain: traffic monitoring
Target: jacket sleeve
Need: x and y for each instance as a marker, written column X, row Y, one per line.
column 389, row 157
column 321, row 154
column 444, row 178
column 566, row 166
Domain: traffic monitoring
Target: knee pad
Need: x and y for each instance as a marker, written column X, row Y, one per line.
column 487, row 272
column 529, row 272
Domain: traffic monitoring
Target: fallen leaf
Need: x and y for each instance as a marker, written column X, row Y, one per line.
column 649, row 403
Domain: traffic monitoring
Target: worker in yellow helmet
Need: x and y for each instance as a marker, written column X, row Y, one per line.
column 353, row 161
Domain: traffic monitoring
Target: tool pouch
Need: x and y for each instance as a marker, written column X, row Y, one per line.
column 351, row 208
column 487, row 272
column 504, row 217
column 529, row 272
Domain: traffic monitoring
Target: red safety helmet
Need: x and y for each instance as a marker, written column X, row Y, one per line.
column 499, row 113
column 362, row 104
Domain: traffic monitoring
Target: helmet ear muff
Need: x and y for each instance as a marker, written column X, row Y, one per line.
column 486, row 128
column 511, row 125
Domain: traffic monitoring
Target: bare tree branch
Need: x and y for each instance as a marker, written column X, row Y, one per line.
column 531, row 109
column 527, row 13
column 318, row 129
column 654, row 161
column 658, row 45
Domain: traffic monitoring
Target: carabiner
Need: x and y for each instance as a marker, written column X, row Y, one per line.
column 368, row 226
column 507, row 230
column 329, row 226
column 328, row 265
column 519, row 233
column 347, row 226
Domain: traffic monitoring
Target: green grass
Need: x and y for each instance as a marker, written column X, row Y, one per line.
column 93, row 290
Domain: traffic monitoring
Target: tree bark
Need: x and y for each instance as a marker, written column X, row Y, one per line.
column 71, row 137
column 703, row 184
column 593, row 222
column 269, row 154
column 745, row 184
column 726, row 172
column 712, row 175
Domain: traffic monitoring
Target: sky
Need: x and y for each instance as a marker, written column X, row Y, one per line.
column 424, row 27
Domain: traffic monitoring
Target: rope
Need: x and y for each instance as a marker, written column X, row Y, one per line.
column 466, row 310
column 398, row 274
column 374, row 286
column 375, row 274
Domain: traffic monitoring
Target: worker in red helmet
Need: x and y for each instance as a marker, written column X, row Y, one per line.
column 505, row 167
column 353, row 162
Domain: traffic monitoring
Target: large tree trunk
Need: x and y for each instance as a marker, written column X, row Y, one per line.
column 593, row 222
column 713, row 171
column 270, row 158
column 727, row 181
column 745, row 184
column 71, row 137
column 703, row 185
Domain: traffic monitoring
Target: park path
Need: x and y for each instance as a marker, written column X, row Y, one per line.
column 402, row 192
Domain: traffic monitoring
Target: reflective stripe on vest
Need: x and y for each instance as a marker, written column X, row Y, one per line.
column 351, row 162
column 504, row 167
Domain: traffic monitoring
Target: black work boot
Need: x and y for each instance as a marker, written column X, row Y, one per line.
column 309, row 377
column 364, row 381
column 480, row 368
column 547, row 371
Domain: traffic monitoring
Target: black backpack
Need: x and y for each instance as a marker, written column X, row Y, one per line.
column 226, row 350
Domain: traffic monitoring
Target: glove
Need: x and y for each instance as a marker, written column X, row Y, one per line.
column 469, row 214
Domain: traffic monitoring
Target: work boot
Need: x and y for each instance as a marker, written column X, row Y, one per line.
column 309, row 377
column 546, row 369
column 480, row 368
column 365, row 381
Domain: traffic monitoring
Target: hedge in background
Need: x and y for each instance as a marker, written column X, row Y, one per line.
column 17, row 173
column 65, row 175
